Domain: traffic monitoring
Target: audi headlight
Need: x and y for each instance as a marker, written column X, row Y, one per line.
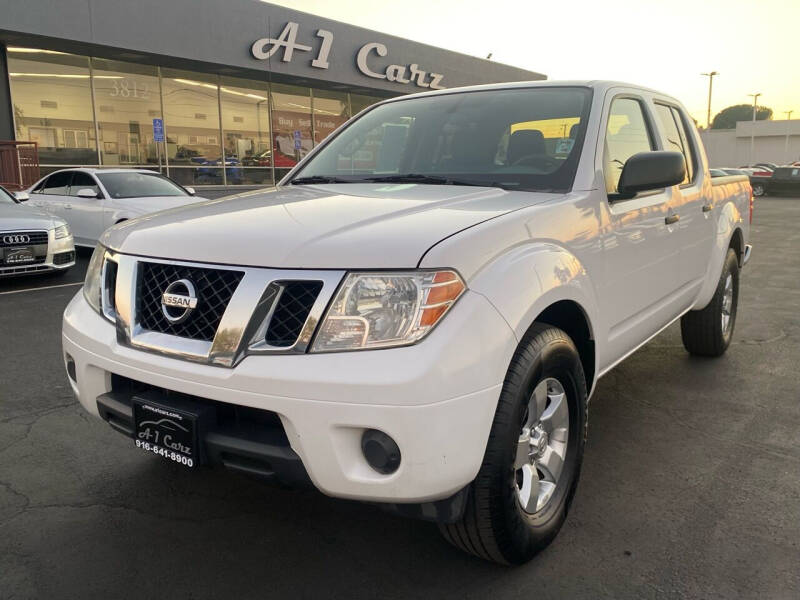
column 92, row 284
column 380, row 310
column 61, row 232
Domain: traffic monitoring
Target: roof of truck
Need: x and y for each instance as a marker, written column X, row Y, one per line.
column 599, row 85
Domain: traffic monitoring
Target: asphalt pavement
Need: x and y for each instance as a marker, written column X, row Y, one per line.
column 690, row 485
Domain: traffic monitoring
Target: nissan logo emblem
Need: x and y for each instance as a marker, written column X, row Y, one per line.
column 178, row 301
column 19, row 238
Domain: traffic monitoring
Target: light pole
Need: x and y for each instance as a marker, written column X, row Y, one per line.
column 753, row 127
column 710, row 83
column 788, row 114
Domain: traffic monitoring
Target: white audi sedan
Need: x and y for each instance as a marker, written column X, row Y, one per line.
column 92, row 200
column 32, row 241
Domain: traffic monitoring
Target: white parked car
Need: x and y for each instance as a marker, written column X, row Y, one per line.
column 32, row 241
column 418, row 315
column 91, row 200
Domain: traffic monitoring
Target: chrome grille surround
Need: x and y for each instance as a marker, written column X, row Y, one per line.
column 243, row 327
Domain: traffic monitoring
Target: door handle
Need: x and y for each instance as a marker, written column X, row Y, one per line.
column 706, row 207
column 672, row 219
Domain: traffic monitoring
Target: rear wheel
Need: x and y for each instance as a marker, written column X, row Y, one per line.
column 708, row 332
column 759, row 189
column 520, row 498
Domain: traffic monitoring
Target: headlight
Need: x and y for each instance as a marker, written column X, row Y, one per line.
column 380, row 310
column 61, row 231
column 91, row 285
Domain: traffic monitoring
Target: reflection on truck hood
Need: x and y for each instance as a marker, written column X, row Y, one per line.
column 351, row 226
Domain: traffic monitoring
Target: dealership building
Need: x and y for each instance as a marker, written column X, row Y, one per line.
column 238, row 90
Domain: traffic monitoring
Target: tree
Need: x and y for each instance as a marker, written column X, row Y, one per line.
column 728, row 117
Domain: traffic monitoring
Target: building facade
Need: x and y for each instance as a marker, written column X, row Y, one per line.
column 763, row 141
column 241, row 89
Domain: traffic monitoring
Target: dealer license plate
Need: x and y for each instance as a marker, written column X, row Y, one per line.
column 166, row 431
column 19, row 256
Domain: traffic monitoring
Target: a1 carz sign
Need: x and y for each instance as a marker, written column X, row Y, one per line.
column 265, row 48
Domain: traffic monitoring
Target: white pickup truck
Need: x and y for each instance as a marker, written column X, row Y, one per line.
column 418, row 314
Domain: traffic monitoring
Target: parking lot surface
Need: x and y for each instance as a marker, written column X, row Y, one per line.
column 690, row 485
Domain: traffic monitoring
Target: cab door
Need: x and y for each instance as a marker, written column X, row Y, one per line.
column 86, row 214
column 692, row 201
column 641, row 250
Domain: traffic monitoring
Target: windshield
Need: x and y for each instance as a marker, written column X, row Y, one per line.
column 139, row 185
column 522, row 139
column 6, row 197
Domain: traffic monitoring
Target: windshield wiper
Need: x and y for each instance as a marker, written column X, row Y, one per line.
column 318, row 179
column 430, row 179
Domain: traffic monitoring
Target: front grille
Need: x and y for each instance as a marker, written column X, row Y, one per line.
column 36, row 238
column 63, row 258
column 214, row 288
column 291, row 313
column 22, row 270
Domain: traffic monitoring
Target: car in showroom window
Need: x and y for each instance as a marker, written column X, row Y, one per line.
column 510, row 139
column 92, row 200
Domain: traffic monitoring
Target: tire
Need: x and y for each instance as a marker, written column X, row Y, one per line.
column 706, row 332
column 759, row 189
column 495, row 526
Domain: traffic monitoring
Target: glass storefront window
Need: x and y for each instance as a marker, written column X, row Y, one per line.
column 127, row 98
column 192, row 127
column 51, row 96
column 291, row 126
column 331, row 110
column 246, row 131
column 359, row 102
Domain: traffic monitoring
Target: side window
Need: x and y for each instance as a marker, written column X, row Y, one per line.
column 39, row 186
column 688, row 149
column 674, row 137
column 57, row 184
column 627, row 134
column 83, row 181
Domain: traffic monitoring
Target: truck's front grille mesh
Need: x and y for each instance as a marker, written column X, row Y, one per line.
column 214, row 288
column 291, row 313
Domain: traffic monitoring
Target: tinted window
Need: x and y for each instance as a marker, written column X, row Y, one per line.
column 57, row 184
column 83, row 181
column 524, row 139
column 627, row 134
column 139, row 185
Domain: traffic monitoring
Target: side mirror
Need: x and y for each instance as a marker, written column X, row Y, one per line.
column 190, row 191
column 651, row 171
column 87, row 193
column 22, row 196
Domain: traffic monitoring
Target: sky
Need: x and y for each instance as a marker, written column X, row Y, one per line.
column 754, row 45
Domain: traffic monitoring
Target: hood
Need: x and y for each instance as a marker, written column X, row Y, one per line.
column 152, row 204
column 364, row 225
column 18, row 217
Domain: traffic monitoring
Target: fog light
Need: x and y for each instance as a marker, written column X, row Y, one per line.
column 381, row 451
column 71, row 369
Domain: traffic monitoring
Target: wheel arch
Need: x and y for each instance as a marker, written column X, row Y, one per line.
column 545, row 283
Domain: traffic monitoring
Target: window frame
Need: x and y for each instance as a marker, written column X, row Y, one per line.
column 652, row 132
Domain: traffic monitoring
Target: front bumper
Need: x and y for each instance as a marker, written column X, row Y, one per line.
column 436, row 399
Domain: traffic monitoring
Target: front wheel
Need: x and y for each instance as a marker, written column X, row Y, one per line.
column 523, row 490
column 759, row 189
column 708, row 332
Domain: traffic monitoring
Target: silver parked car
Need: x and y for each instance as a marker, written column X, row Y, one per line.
column 32, row 241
